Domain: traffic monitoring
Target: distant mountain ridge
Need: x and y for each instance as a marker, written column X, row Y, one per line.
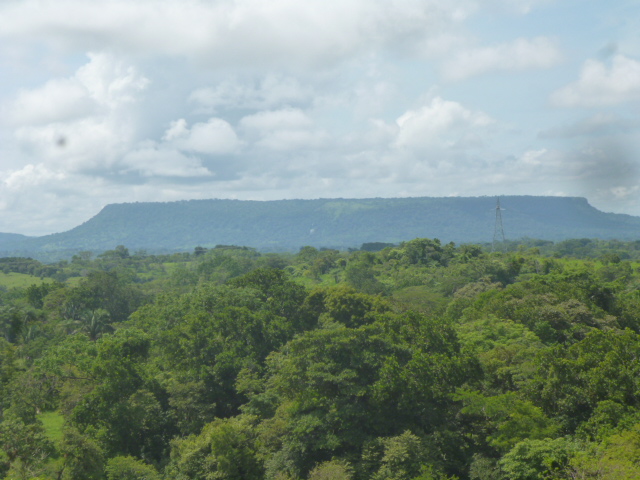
column 338, row 223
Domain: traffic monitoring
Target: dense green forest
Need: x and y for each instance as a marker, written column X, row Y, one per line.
column 287, row 225
column 419, row 360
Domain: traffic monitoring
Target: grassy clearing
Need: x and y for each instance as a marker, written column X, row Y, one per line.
column 20, row 280
column 53, row 423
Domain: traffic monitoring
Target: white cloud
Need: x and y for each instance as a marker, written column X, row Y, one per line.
column 271, row 91
column 177, row 130
column 84, row 145
column 278, row 99
column 226, row 32
column 282, row 130
column 522, row 7
column 109, row 81
column 41, row 199
column 32, row 176
column 287, row 140
column 442, row 44
column 152, row 161
column 57, row 100
column 602, row 85
column 102, row 85
column 534, row 157
column 289, row 118
column 439, row 124
column 522, row 54
column 215, row 137
column 82, row 123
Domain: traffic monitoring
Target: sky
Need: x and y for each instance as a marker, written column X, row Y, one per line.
column 116, row 101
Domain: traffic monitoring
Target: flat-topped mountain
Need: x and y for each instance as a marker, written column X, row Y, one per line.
column 339, row 223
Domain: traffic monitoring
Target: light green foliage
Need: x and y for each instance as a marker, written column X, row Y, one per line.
column 181, row 276
column 18, row 280
column 307, row 254
column 506, row 419
column 539, row 460
column 483, row 468
column 332, row 470
column 421, row 299
column 608, row 418
column 25, row 446
column 129, row 468
column 345, row 306
column 52, row 422
column 224, row 450
column 628, row 310
column 404, row 457
column 616, row 458
column 562, row 309
column 503, row 347
column 489, row 332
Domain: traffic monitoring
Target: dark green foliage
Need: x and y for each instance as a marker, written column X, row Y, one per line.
column 28, row 266
column 37, row 293
column 123, row 410
column 210, row 335
column 375, row 246
column 341, row 387
column 570, row 383
column 107, row 291
column 222, row 264
column 361, row 276
column 83, row 459
column 282, row 296
column 8, row 367
column 227, row 363
column 424, row 251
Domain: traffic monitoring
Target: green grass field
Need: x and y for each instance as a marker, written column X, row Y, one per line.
column 52, row 422
column 20, row 280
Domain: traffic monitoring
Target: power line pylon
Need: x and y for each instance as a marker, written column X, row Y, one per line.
column 498, row 230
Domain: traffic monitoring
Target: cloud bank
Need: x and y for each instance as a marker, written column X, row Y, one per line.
column 166, row 100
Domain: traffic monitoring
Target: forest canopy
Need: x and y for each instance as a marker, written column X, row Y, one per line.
column 418, row 360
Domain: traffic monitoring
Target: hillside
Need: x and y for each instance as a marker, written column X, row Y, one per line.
column 339, row 223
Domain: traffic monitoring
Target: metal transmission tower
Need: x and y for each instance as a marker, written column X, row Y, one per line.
column 498, row 230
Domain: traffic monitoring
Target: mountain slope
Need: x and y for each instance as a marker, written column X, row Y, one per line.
column 340, row 223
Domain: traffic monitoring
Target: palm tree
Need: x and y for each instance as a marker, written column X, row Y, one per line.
column 93, row 323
